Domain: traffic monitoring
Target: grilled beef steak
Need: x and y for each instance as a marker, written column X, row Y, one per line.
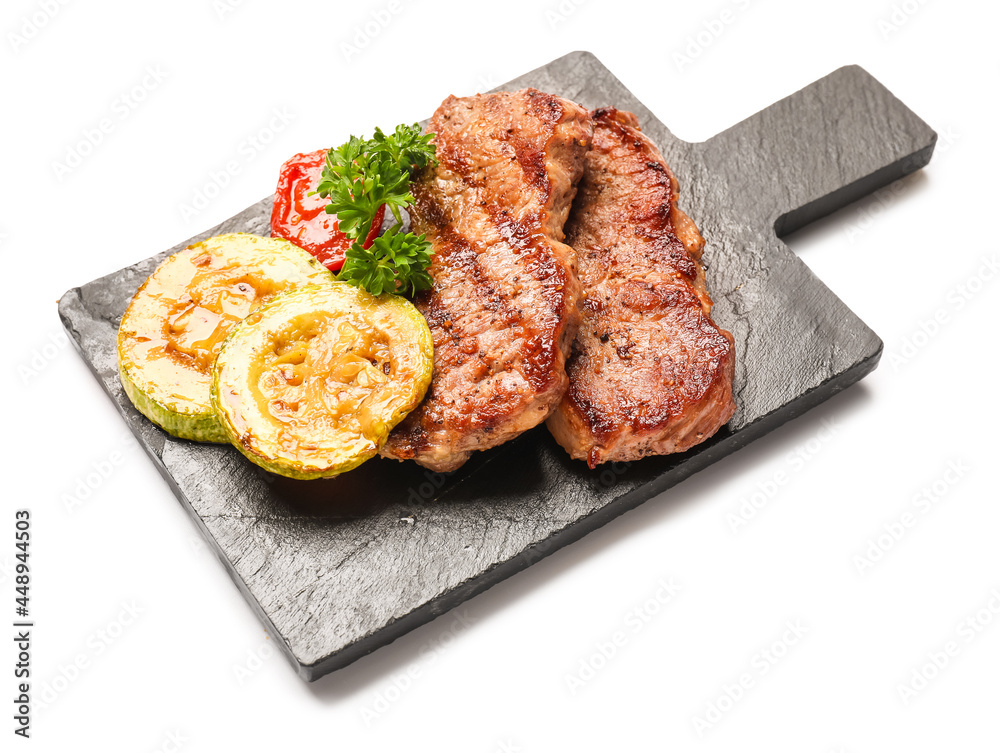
column 504, row 307
column 650, row 373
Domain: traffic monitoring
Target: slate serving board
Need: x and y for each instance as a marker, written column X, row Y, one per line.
column 337, row 568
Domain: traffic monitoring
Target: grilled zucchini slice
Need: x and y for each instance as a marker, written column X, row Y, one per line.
column 177, row 321
column 311, row 383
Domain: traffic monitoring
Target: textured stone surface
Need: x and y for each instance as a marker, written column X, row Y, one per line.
column 338, row 568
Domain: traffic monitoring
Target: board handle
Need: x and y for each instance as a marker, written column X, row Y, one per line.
column 823, row 147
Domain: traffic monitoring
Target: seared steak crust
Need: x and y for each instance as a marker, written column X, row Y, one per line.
column 504, row 307
column 650, row 373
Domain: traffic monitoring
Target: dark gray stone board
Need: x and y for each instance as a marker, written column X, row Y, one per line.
column 338, row 568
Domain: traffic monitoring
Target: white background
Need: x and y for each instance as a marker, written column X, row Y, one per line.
column 194, row 669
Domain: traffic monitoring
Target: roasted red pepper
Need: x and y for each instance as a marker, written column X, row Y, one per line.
column 302, row 219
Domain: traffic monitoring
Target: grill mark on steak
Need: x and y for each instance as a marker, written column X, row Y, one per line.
column 504, row 306
column 443, row 321
column 528, row 155
column 650, row 373
column 460, row 255
column 651, row 220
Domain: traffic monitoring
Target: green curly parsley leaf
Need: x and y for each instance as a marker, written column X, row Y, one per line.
column 358, row 178
column 395, row 263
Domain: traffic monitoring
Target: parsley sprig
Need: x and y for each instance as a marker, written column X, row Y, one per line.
column 359, row 177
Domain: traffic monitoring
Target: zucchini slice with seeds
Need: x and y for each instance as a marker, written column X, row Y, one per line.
column 310, row 384
column 180, row 316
